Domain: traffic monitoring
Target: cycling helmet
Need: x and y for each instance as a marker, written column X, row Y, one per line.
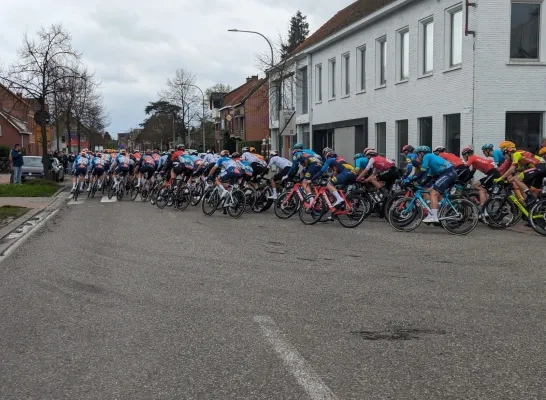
column 298, row 146
column 122, row 151
column 508, row 150
column 487, row 147
column 136, row 151
column 194, row 153
column 365, row 150
column 331, row 155
column 439, row 149
column 423, row 149
column 252, row 150
column 326, row 151
column 164, row 153
column 274, row 153
column 180, row 147
column 358, row 155
column 542, row 151
column 83, row 153
column 224, row 153
column 506, row 144
column 370, row 153
column 467, row 150
column 99, row 154
column 209, row 151
column 409, row 148
column 244, row 149
column 235, row 155
column 149, row 152
column 171, row 151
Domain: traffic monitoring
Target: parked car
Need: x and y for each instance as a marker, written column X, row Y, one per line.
column 33, row 168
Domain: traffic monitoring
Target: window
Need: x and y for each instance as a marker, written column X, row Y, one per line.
column 381, row 60
column 524, row 129
column 361, row 137
column 361, row 68
column 425, row 131
column 304, row 85
column 426, row 50
column 318, row 83
column 453, row 133
column 525, row 31
column 401, row 140
column 332, row 77
column 381, row 138
column 455, row 44
column 402, row 54
column 346, row 74
column 306, row 136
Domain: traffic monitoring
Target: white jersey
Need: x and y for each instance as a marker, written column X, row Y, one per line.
column 249, row 157
column 279, row 162
column 209, row 158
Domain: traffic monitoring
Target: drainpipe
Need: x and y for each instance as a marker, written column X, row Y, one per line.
column 467, row 32
column 310, row 97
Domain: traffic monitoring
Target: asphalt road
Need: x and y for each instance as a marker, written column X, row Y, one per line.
column 125, row 301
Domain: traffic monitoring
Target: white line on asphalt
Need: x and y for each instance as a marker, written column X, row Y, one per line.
column 72, row 202
column 304, row 374
column 105, row 199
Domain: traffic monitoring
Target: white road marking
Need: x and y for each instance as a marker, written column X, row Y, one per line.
column 72, row 202
column 105, row 199
column 304, row 374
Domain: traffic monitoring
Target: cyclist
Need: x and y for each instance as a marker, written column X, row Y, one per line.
column 121, row 166
column 147, row 166
column 434, row 168
column 79, row 169
column 383, row 171
column 228, row 171
column 486, row 167
column 361, row 162
column 182, row 165
column 162, row 160
column 310, row 162
column 156, row 156
column 243, row 166
column 344, row 173
column 256, row 161
column 409, row 152
column 98, row 166
column 497, row 155
column 283, row 167
column 463, row 173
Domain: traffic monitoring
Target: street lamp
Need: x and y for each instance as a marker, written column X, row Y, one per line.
column 258, row 33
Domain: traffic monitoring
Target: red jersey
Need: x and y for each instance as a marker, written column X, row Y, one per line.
column 452, row 158
column 380, row 164
column 481, row 164
column 176, row 154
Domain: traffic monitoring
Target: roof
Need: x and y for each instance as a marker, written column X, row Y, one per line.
column 243, row 92
column 21, row 126
column 344, row 18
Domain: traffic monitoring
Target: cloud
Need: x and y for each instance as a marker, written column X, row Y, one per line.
column 133, row 47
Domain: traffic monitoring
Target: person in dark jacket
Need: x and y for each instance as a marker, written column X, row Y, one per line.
column 17, row 162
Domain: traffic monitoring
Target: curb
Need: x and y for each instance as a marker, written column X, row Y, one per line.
column 59, row 191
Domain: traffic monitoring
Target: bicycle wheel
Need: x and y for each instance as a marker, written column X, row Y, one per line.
column 236, row 204
column 357, row 214
column 284, row 207
column 210, row 201
column 183, row 198
column 405, row 214
column 76, row 191
column 111, row 191
column 459, row 218
column 94, row 189
column 537, row 217
column 120, row 192
column 500, row 212
column 197, row 193
column 263, row 202
column 312, row 215
column 250, row 198
column 162, row 198
column 390, row 201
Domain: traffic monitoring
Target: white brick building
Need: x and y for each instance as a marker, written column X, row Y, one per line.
column 424, row 80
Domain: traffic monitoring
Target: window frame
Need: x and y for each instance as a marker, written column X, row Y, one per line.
column 399, row 145
column 422, row 64
column 400, row 50
column 541, row 33
column 449, row 35
column 304, row 90
column 527, row 113
column 381, row 56
column 332, row 78
column 446, row 126
column 361, row 69
column 318, row 83
column 377, row 124
column 346, row 74
column 420, row 132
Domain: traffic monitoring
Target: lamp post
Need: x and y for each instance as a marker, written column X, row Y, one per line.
column 203, row 122
column 258, row 33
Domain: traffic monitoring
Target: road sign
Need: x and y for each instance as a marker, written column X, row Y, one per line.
column 42, row 115
column 39, row 133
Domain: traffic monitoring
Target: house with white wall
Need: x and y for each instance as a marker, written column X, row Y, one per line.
column 385, row 73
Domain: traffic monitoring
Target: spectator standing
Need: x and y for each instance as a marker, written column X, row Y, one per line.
column 17, row 164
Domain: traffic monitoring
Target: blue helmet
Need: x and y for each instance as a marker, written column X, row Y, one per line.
column 423, row 149
column 298, row 146
column 488, row 146
column 358, row 155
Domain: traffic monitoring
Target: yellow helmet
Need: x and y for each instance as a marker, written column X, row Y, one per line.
column 542, row 151
column 507, row 144
column 252, row 150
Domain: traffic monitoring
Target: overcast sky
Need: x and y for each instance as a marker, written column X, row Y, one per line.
column 134, row 46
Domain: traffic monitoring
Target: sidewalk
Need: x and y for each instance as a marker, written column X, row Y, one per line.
column 29, row 202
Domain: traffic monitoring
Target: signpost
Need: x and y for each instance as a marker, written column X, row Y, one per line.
column 42, row 116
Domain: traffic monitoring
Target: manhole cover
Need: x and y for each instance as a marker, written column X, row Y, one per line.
column 398, row 334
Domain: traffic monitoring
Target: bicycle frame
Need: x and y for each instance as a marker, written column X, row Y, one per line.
column 417, row 197
column 323, row 192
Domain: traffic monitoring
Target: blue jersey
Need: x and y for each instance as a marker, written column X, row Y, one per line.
column 98, row 163
column 196, row 158
column 434, row 165
column 122, row 161
column 186, row 160
column 411, row 160
column 245, row 166
column 498, row 157
column 338, row 164
column 305, row 158
column 107, row 158
column 361, row 163
column 225, row 163
column 162, row 161
column 80, row 162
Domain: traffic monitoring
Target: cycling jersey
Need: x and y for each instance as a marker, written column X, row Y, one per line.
column 361, row 163
column 249, row 157
column 279, row 162
column 410, row 160
column 186, row 160
column 123, row 161
column 434, row 165
column 162, row 161
column 452, row 158
column 80, row 162
column 209, row 158
column 380, row 164
column 481, row 164
column 498, row 157
column 98, row 163
column 305, row 159
column 156, row 157
column 225, row 163
column 147, row 161
column 524, row 160
column 338, row 164
column 244, row 166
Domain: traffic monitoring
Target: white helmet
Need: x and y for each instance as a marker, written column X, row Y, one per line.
column 274, row 153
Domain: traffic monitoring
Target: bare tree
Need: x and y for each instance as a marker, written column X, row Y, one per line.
column 180, row 93
column 42, row 64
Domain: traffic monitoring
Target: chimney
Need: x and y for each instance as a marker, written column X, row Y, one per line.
column 252, row 78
